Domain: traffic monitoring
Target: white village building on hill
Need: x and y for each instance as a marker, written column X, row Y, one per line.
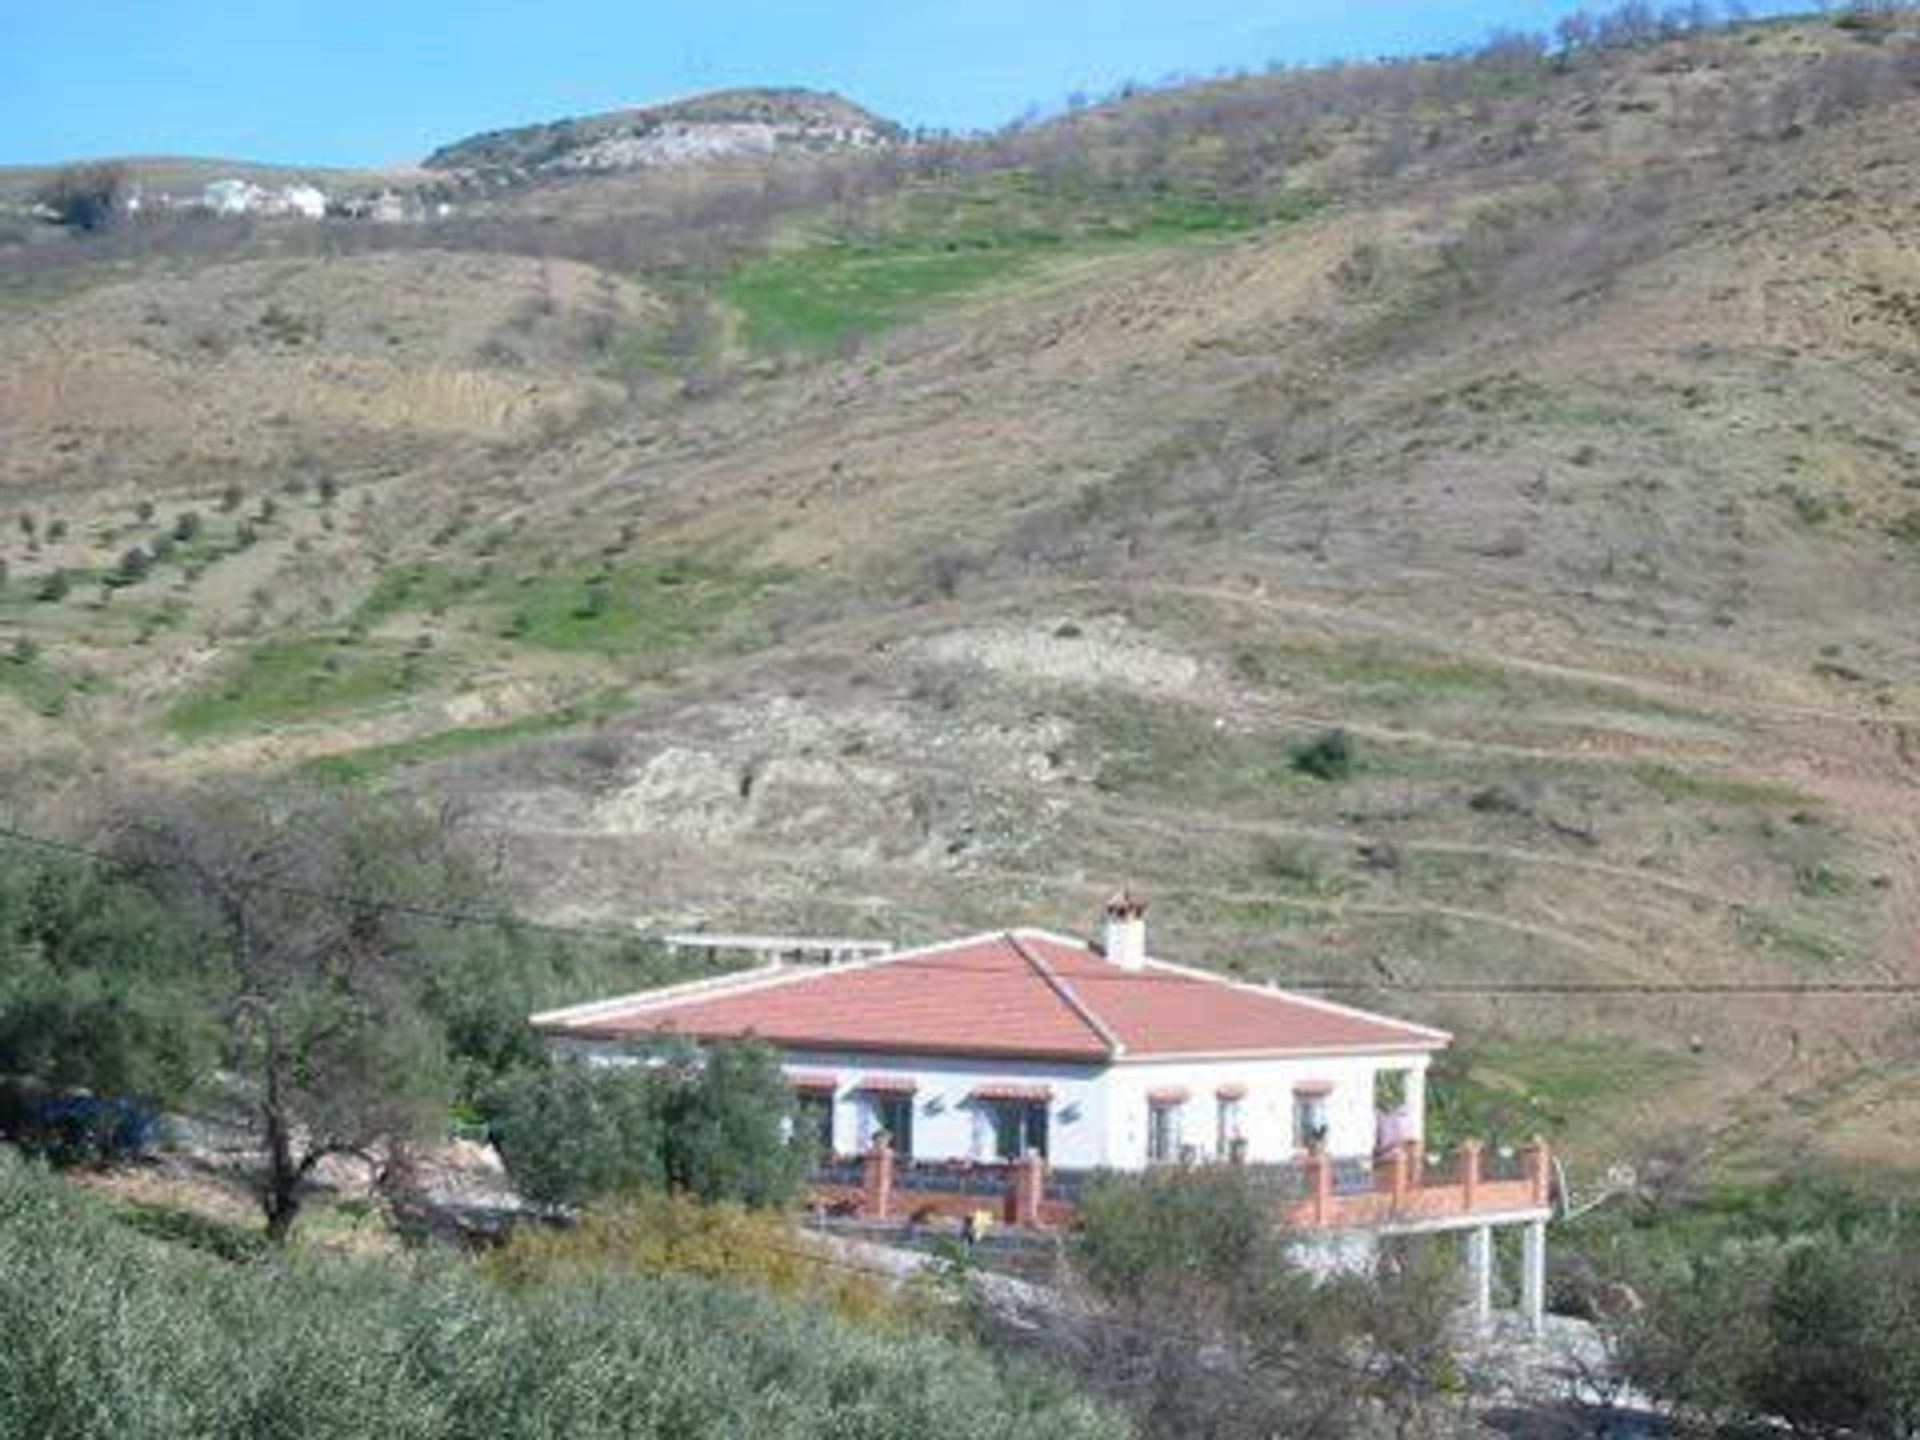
column 243, row 197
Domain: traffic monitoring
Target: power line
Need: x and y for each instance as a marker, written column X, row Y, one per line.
column 324, row 897
column 1487, row 989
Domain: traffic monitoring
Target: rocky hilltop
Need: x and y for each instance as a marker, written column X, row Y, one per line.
column 750, row 122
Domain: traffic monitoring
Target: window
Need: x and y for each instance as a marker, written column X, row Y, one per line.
column 1227, row 1131
column 892, row 1113
column 1019, row 1128
column 813, row 1121
column 1163, row 1131
column 1309, row 1118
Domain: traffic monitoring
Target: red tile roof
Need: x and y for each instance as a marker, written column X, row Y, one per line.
column 1018, row 993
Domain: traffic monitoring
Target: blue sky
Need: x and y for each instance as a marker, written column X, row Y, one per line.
column 353, row 82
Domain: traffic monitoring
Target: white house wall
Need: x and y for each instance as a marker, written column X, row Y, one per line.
column 1098, row 1113
column 946, row 1123
column 1266, row 1112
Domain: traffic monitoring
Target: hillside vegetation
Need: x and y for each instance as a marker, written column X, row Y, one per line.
column 112, row 1334
column 927, row 538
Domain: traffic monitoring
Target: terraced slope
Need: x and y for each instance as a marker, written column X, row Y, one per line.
column 1033, row 518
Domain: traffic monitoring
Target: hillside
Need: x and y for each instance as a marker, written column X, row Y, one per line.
column 931, row 538
column 707, row 127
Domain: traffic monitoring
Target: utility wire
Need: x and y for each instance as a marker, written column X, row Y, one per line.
column 1798, row 989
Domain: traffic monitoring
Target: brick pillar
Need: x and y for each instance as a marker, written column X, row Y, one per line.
column 1028, row 1176
column 1539, row 1162
column 876, row 1180
column 1392, row 1168
column 1469, row 1173
column 1416, row 1153
column 1320, row 1186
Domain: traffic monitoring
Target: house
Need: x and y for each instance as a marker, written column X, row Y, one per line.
column 1051, row 1057
column 243, row 197
column 1090, row 1056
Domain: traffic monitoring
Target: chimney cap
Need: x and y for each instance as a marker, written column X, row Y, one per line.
column 1124, row 904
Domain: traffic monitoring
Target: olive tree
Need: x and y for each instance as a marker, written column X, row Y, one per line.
column 1205, row 1320
column 100, row 990
column 313, row 902
column 713, row 1124
column 1819, row 1332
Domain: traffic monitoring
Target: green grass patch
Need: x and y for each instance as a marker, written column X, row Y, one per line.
column 41, row 686
column 1276, row 912
column 1807, row 950
column 649, row 608
column 944, row 241
column 407, row 589
column 1505, row 1091
column 359, row 766
column 657, row 608
column 815, row 297
column 299, row 679
column 226, row 1239
column 1677, row 786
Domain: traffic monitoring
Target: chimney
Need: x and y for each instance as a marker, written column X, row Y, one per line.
column 1127, row 930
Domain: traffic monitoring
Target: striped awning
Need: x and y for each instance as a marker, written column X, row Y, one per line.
column 888, row 1084
column 1233, row 1090
column 813, row 1080
column 1169, row 1095
column 1313, row 1087
column 1012, row 1092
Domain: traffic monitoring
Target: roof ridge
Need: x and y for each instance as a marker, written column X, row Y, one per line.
column 773, row 976
column 1057, row 983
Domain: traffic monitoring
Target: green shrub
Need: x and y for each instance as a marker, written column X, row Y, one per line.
column 576, row 1132
column 1328, row 756
column 1818, row 1333
column 1142, row 1235
column 132, row 569
column 113, row 1334
column 99, row 984
column 712, row 1126
column 1191, row 1261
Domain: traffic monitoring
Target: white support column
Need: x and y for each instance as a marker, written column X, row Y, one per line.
column 1416, row 1102
column 1480, row 1277
column 1533, row 1276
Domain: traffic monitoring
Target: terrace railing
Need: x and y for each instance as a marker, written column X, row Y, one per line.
column 1397, row 1188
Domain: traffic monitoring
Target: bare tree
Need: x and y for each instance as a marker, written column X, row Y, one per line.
column 86, row 197
column 317, row 898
